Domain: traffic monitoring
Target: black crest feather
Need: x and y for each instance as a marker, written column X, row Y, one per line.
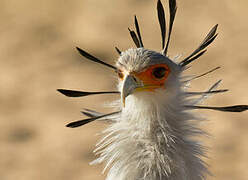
column 138, row 31
column 118, row 50
column 94, row 59
column 237, row 108
column 73, row 93
column 208, row 40
column 173, row 10
column 134, row 37
column 162, row 23
column 86, row 121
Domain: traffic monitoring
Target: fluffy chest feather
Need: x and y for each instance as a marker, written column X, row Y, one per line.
column 151, row 140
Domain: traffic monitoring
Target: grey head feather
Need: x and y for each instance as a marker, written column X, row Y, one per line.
column 136, row 60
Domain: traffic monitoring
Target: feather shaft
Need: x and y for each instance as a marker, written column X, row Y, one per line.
column 208, row 72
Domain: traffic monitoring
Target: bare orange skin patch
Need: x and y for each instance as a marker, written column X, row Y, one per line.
column 150, row 78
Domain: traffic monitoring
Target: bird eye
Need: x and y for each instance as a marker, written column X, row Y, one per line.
column 120, row 74
column 159, row 72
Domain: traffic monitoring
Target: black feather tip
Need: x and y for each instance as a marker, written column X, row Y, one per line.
column 73, row 93
column 138, row 31
column 236, row 108
column 86, row 121
column 94, row 59
column 162, row 23
column 134, row 38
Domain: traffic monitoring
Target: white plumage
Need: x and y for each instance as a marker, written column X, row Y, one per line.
column 152, row 135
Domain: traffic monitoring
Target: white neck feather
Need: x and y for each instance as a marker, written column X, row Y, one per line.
column 152, row 140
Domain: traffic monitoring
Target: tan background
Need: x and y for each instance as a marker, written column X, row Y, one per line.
column 37, row 40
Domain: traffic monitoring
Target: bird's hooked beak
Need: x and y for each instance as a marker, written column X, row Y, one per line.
column 130, row 84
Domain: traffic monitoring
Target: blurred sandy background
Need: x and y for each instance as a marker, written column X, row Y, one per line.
column 37, row 40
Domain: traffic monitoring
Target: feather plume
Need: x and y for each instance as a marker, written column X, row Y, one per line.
column 173, row 10
column 134, row 37
column 207, row 41
column 73, row 93
column 94, row 59
column 161, row 19
column 138, row 31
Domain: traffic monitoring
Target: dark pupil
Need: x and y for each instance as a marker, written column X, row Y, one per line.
column 159, row 72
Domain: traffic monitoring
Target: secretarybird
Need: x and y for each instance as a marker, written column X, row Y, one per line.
column 151, row 135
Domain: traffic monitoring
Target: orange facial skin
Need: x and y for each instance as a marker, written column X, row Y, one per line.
column 148, row 78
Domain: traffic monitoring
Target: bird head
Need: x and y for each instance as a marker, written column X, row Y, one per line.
column 145, row 74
